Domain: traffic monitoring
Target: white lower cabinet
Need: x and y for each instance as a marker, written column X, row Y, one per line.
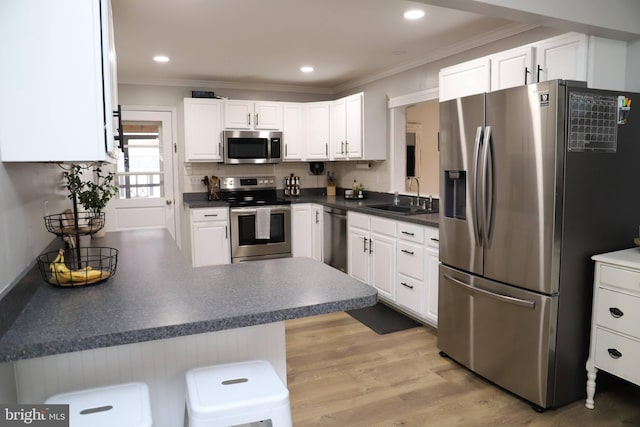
column 371, row 251
column 307, row 231
column 615, row 319
column 399, row 259
column 209, row 237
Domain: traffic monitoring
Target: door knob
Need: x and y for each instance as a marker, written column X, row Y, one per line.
column 168, row 202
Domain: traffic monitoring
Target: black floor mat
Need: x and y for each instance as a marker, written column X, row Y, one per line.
column 382, row 319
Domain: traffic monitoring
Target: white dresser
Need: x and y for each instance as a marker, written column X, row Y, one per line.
column 615, row 324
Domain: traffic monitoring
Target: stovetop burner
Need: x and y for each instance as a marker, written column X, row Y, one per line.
column 250, row 191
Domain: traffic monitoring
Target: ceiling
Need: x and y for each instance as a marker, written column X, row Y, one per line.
column 265, row 42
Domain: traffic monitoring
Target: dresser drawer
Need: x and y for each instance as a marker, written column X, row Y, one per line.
column 432, row 238
column 620, row 278
column 410, row 260
column 358, row 220
column 618, row 311
column 383, row 226
column 618, row 355
column 206, row 214
column 411, row 232
column 410, row 293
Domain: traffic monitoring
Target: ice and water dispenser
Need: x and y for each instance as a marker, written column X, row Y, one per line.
column 455, row 194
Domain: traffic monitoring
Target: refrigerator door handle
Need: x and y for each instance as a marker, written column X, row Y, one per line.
column 476, row 199
column 487, row 197
column 511, row 300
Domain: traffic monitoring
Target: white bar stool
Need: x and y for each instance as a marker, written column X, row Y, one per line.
column 122, row 405
column 237, row 393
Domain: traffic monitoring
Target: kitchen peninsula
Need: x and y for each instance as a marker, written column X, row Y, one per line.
column 158, row 317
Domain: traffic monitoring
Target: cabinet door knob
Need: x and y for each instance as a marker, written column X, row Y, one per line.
column 616, row 312
column 406, row 251
column 615, row 354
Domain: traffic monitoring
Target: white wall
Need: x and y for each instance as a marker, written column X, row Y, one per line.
column 24, row 189
column 633, row 66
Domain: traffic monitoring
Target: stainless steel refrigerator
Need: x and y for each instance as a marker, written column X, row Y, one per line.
column 534, row 181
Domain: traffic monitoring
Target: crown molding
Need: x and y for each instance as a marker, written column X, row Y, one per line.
column 500, row 33
column 213, row 84
column 413, row 98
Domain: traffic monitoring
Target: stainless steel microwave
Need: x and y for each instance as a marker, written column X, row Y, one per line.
column 244, row 146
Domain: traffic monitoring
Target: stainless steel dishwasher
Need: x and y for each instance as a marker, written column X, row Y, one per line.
column 335, row 238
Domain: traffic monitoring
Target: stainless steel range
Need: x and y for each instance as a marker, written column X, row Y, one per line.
column 260, row 220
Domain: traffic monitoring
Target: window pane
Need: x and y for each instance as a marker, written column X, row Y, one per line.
column 140, row 168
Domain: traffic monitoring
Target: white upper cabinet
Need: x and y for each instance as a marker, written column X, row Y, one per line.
column 58, row 74
column 572, row 56
column 562, row 57
column 338, row 129
column 317, row 130
column 202, row 130
column 464, row 79
column 259, row 115
column 347, row 127
column 293, row 131
column 512, row 68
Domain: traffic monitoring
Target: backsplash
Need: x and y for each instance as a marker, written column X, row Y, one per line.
column 374, row 178
column 280, row 171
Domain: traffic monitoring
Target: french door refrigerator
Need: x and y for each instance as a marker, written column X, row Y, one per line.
column 534, row 181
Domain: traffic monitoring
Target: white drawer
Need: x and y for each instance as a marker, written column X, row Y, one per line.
column 410, row 293
column 411, row 232
column 620, row 278
column 383, row 226
column 208, row 214
column 608, row 346
column 618, row 311
column 432, row 237
column 358, row 220
column 410, row 260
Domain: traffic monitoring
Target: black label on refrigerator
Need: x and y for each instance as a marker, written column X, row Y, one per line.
column 544, row 98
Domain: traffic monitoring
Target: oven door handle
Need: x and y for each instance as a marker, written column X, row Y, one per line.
column 254, row 210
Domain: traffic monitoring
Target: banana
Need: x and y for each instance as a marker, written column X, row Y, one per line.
column 61, row 274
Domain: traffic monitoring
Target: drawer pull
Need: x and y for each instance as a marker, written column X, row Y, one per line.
column 408, row 286
column 434, row 239
column 408, row 233
column 615, row 354
column 406, row 251
column 210, row 214
column 616, row 312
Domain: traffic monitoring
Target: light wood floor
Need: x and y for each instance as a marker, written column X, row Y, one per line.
column 340, row 373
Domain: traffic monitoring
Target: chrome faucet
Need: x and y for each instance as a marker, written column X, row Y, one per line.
column 418, row 188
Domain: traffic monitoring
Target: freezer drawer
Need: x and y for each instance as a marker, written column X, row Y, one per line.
column 498, row 331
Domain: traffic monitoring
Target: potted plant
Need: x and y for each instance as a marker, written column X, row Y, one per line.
column 93, row 194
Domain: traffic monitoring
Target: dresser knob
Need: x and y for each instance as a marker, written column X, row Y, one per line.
column 616, row 312
column 615, row 354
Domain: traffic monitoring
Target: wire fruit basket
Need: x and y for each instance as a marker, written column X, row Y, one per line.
column 65, row 224
column 80, row 267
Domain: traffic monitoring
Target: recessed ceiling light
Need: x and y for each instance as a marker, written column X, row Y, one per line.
column 414, row 14
column 306, row 69
column 161, row 58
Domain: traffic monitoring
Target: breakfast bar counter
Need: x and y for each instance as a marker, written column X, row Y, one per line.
column 158, row 316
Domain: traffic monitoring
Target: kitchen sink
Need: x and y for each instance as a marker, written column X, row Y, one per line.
column 404, row 210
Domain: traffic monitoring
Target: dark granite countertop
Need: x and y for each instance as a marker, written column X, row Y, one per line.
column 199, row 200
column 156, row 294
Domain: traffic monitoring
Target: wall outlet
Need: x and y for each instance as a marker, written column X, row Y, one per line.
column 195, row 180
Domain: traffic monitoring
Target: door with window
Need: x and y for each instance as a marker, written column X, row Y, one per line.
column 145, row 173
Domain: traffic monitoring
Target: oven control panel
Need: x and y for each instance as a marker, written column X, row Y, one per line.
column 248, row 183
